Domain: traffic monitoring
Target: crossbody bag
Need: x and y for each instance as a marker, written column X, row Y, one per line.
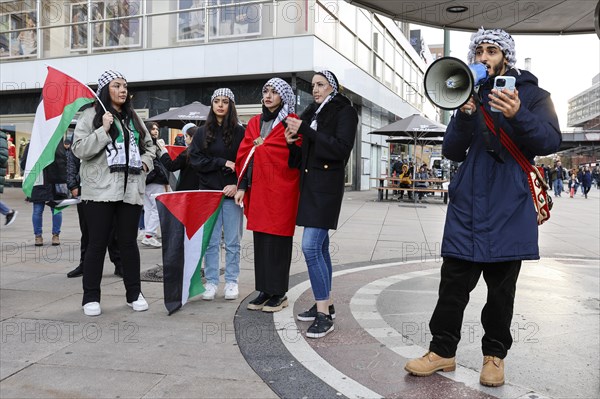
column 535, row 174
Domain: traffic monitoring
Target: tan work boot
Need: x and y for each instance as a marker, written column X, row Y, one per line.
column 492, row 373
column 429, row 364
column 55, row 239
column 39, row 241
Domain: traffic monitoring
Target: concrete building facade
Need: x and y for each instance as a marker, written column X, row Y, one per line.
column 174, row 52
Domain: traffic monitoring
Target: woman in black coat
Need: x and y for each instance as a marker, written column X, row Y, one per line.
column 328, row 129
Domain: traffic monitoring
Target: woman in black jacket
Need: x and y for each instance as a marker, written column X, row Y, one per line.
column 188, row 177
column 328, row 129
column 212, row 154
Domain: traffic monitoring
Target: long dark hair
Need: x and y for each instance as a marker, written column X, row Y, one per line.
column 126, row 110
column 149, row 126
column 230, row 123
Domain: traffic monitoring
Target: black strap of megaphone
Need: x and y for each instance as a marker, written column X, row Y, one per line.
column 492, row 145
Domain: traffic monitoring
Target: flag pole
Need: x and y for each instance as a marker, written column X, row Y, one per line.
column 88, row 87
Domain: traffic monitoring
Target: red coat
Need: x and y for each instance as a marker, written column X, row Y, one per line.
column 271, row 203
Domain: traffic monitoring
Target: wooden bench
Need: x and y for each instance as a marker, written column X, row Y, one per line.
column 386, row 189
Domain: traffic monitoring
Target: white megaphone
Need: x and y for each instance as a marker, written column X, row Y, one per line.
column 449, row 82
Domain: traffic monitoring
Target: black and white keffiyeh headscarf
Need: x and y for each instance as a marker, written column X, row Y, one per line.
column 107, row 77
column 333, row 82
column 288, row 98
column 223, row 92
column 497, row 37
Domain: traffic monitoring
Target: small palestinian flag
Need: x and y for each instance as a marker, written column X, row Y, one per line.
column 62, row 97
column 187, row 220
column 175, row 150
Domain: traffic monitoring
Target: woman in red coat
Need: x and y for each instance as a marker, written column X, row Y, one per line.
column 269, row 191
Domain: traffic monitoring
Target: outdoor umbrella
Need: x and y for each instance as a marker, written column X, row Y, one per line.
column 178, row 117
column 422, row 141
column 416, row 127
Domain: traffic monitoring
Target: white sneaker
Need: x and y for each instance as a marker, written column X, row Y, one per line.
column 210, row 290
column 141, row 235
column 231, row 291
column 151, row 242
column 140, row 305
column 92, row 309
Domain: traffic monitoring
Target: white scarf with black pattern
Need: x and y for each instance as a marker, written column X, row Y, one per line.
column 116, row 156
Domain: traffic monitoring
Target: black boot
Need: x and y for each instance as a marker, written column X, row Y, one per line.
column 275, row 304
column 258, row 302
column 77, row 272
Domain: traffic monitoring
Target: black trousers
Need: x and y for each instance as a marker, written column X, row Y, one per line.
column 272, row 261
column 100, row 218
column 458, row 279
column 113, row 247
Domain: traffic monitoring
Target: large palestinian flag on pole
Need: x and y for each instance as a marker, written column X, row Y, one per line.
column 187, row 220
column 62, row 97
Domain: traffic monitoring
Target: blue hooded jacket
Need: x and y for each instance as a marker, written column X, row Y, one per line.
column 491, row 216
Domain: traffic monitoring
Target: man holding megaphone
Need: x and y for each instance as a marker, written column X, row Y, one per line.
column 491, row 223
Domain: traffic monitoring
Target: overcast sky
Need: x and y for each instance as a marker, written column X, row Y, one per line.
column 564, row 65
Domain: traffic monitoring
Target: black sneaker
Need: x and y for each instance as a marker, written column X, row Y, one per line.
column 275, row 304
column 311, row 313
column 10, row 217
column 322, row 326
column 258, row 302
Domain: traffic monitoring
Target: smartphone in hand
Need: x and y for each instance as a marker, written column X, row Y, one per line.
column 504, row 82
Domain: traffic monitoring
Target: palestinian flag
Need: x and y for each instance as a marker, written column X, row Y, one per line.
column 175, row 150
column 187, row 220
column 62, row 97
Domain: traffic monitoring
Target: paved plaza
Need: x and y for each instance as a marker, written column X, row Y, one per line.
column 386, row 268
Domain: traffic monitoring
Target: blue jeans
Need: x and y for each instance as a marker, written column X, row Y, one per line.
column 315, row 247
column 558, row 187
column 4, row 210
column 141, row 222
column 38, row 217
column 229, row 221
